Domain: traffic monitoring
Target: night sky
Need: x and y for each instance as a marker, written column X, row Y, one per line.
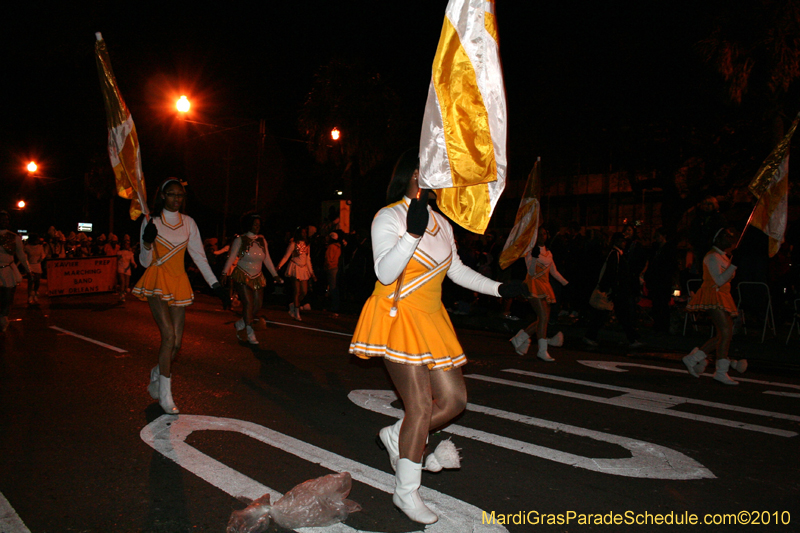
column 574, row 72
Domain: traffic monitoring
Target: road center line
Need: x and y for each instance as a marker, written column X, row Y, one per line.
column 631, row 403
column 93, row 341
column 305, row 327
column 10, row 522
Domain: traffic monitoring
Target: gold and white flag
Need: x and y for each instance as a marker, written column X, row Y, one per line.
column 463, row 141
column 123, row 143
column 771, row 187
column 523, row 235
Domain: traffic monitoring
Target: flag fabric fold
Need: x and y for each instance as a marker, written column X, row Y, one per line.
column 123, row 142
column 523, row 235
column 463, row 141
column 771, row 187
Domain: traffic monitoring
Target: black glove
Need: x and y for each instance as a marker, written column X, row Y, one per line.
column 417, row 217
column 223, row 294
column 150, row 232
column 514, row 288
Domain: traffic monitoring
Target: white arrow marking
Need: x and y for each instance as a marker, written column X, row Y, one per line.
column 167, row 435
column 10, row 522
column 614, row 366
column 642, row 401
column 647, row 460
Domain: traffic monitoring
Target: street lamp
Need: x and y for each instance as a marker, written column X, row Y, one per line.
column 183, row 104
column 21, row 204
column 335, row 134
column 32, row 167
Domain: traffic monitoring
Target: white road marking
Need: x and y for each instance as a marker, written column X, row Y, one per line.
column 622, row 401
column 104, row 345
column 787, row 394
column 10, row 522
column 666, row 400
column 647, row 460
column 305, row 327
column 613, row 366
column 167, row 435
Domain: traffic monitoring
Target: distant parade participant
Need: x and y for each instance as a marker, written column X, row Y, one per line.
column 125, row 265
column 714, row 297
column 10, row 250
column 248, row 253
column 165, row 285
column 405, row 322
column 540, row 267
column 36, row 254
column 298, row 254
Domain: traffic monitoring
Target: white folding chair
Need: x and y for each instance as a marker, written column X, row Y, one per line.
column 795, row 320
column 692, row 286
column 753, row 288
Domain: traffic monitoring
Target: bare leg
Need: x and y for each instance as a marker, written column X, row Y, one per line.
column 722, row 321
column 125, row 283
column 539, row 326
column 430, row 398
column 258, row 301
column 713, row 343
column 163, row 316
column 297, row 298
column 303, row 291
column 246, row 296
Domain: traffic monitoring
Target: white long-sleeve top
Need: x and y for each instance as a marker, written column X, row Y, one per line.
column 393, row 247
column 545, row 259
column 177, row 228
column 719, row 266
column 251, row 261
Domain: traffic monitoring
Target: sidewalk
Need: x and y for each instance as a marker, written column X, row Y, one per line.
column 773, row 354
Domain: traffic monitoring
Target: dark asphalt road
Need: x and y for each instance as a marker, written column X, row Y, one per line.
column 537, row 438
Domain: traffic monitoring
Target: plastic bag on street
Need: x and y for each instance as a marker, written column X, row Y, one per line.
column 252, row 519
column 318, row 502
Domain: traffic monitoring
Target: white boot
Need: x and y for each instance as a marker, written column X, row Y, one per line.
column 165, row 396
column 521, row 342
column 740, row 366
column 556, row 340
column 406, row 492
column 542, row 353
column 696, row 360
column 239, row 324
column 390, row 438
column 152, row 388
column 721, row 374
column 251, row 335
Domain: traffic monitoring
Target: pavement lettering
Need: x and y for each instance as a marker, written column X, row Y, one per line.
column 647, row 460
column 167, row 435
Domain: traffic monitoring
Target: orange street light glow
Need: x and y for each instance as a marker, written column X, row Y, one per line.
column 335, row 134
column 32, row 167
column 183, row 104
column 21, row 204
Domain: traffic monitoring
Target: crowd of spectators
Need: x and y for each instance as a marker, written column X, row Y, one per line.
column 656, row 269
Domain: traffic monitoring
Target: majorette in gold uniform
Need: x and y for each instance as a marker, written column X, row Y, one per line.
column 539, row 270
column 421, row 332
column 165, row 275
column 715, row 292
column 249, row 252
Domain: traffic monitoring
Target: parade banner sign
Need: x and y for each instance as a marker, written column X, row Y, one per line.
column 67, row 277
